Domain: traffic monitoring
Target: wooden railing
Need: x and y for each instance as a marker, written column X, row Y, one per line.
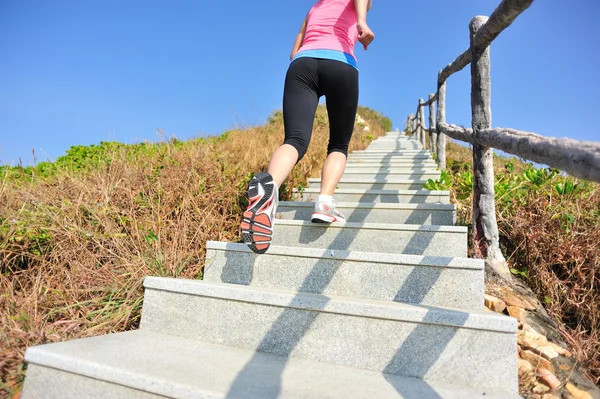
column 577, row 158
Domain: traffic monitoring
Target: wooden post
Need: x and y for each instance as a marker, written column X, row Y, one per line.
column 432, row 131
column 441, row 118
column 421, row 122
column 485, row 227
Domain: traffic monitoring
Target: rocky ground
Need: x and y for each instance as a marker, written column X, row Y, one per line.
column 547, row 369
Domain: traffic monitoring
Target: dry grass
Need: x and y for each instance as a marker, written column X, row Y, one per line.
column 75, row 246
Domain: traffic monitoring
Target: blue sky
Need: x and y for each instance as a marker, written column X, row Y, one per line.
column 81, row 72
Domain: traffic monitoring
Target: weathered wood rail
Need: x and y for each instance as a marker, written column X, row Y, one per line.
column 577, row 158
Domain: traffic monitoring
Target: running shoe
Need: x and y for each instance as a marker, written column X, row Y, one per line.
column 257, row 226
column 324, row 213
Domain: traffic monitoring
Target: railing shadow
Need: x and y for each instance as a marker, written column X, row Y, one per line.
column 292, row 324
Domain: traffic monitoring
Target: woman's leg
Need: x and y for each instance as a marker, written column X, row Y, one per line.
column 282, row 162
column 340, row 86
column 332, row 172
column 300, row 101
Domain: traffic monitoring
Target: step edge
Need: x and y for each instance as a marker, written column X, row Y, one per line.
column 373, row 205
column 345, row 179
column 376, row 226
column 450, row 262
column 346, row 306
column 376, row 191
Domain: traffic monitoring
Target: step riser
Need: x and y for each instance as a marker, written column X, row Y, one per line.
column 50, row 383
column 400, row 162
column 391, row 158
column 394, row 142
column 378, row 198
column 362, row 215
column 392, row 147
column 392, row 150
column 375, row 186
column 389, row 167
column 430, row 351
column 366, row 174
column 409, row 283
column 408, row 242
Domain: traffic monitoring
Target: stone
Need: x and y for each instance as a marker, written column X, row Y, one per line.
column 560, row 350
column 540, row 388
column 518, row 313
column 578, row 393
column 512, row 299
column 537, row 361
column 531, row 339
column 494, row 304
column 546, row 351
column 525, row 368
column 549, row 379
column 567, row 395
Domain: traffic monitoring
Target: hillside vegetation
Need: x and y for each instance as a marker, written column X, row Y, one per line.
column 77, row 236
column 549, row 228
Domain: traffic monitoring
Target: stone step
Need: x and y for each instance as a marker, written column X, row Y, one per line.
column 393, row 145
column 390, row 167
column 364, row 212
column 373, row 184
column 427, row 280
column 149, row 365
column 471, row 348
column 391, row 157
column 394, row 162
column 372, row 173
column 378, row 196
column 394, row 151
column 409, row 239
column 394, row 140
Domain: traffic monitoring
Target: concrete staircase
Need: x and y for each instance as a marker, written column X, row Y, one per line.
column 386, row 305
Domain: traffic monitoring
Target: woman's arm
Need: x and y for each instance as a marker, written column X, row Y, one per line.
column 365, row 34
column 299, row 39
column 362, row 6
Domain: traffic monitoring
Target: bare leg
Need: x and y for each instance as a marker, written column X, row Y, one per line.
column 283, row 161
column 333, row 169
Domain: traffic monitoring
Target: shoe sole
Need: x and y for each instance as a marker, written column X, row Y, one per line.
column 257, row 226
column 324, row 218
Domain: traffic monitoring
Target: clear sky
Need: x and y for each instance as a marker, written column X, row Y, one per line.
column 78, row 72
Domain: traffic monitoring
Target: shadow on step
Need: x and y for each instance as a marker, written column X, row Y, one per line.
column 419, row 351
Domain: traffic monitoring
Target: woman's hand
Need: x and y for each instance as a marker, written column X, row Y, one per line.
column 365, row 34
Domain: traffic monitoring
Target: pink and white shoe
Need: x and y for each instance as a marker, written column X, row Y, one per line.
column 257, row 226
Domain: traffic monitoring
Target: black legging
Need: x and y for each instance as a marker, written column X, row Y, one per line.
column 306, row 81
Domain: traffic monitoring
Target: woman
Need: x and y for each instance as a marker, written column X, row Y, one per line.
column 322, row 64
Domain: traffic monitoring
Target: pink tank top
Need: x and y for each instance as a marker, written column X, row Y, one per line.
column 331, row 25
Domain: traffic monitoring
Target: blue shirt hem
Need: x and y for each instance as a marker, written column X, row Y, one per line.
column 329, row 55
